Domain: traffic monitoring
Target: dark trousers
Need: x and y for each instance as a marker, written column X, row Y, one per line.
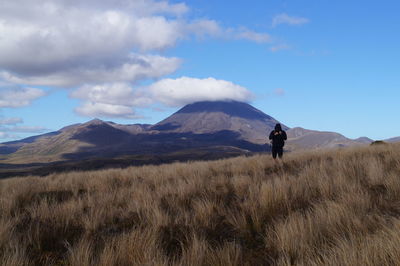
column 277, row 151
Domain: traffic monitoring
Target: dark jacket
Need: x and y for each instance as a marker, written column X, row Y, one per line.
column 278, row 137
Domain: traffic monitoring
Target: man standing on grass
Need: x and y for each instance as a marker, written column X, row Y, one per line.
column 277, row 137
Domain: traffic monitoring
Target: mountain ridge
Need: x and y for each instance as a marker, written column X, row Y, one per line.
column 228, row 125
column 395, row 139
column 302, row 139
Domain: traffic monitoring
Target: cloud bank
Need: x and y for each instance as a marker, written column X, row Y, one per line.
column 70, row 43
column 121, row 99
column 103, row 50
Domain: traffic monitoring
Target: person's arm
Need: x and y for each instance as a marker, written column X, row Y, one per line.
column 284, row 135
column 271, row 135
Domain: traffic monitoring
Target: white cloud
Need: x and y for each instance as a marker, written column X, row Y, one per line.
column 115, row 93
column 11, row 121
column 5, row 135
column 279, row 92
column 95, row 109
column 289, row 20
column 74, row 46
column 121, row 99
column 204, row 28
column 13, row 97
column 27, row 129
column 246, row 34
column 134, row 68
column 110, row 100
column 155, row 33
column 280, row 47
column 8, row 128
column 140, row 7
column 185, row 90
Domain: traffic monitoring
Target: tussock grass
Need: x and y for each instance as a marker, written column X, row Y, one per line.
column 318, row 208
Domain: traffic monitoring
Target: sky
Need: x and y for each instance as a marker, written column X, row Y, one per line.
column 318, row 64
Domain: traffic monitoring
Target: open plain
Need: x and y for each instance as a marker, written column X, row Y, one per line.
column 334, row 207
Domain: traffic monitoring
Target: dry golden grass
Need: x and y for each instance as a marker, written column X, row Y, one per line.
column 327, row 208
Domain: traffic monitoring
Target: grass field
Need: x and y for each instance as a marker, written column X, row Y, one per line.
column 337, row 207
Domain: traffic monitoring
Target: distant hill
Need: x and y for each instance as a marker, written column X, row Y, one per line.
column 396, row 139
column 301, row 139
column 94, row 137
column 364, row 140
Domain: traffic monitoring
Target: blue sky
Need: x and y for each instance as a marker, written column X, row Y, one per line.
column 322, row 65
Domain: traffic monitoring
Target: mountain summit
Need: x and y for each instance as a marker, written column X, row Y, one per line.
column 209, row 117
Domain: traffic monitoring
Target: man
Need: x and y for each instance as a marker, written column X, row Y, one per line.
column 277, row 137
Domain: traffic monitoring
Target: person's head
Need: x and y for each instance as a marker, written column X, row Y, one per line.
column 278, row 127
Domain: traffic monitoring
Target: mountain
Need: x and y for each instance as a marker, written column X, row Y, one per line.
column 71, row 139
column 395, row 139
column 202, row 130
column 302, row 139
column 13, row 146
column 364, row 140
column 209, row 117
column 217, row 126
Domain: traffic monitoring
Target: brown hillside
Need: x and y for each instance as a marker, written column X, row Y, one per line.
column 327, row 208
column 300, row 139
